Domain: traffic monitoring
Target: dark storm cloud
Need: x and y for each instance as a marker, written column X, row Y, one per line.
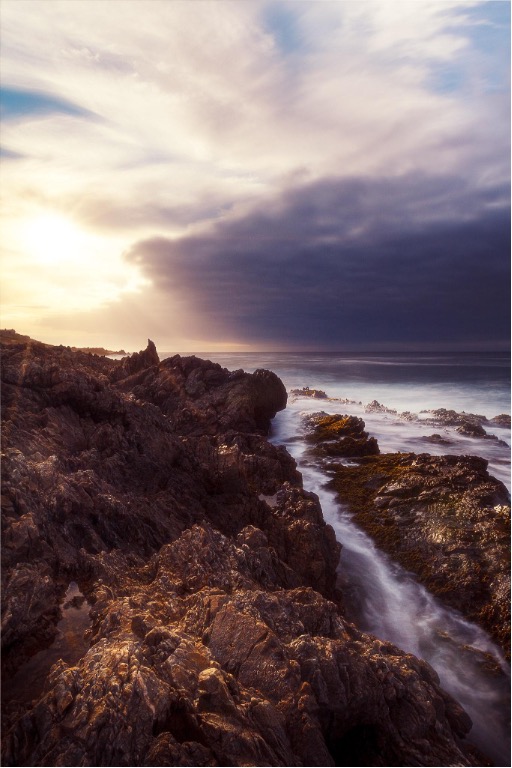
column 339, row 262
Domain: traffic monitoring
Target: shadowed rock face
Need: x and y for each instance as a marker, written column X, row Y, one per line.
column 217, row 636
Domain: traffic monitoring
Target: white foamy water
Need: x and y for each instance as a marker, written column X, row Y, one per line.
column 473, row 383
column 388, row 602
column 398, row 435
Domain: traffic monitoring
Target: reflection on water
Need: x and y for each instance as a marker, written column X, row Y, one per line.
column 69, row 645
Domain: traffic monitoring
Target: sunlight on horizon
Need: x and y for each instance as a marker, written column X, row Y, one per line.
column 59, row 266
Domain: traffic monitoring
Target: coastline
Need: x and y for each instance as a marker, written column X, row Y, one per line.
column 217, row 631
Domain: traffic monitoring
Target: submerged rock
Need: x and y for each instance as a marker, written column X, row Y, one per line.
column 436, row 439
column 217, row 634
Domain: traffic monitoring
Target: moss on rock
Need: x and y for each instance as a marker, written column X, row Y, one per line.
column 443, row 518
column 337, row 435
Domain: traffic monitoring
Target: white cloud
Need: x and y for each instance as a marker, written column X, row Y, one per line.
column 198, row 113
column 204, row 83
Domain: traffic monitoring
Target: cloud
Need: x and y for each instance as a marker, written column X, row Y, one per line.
column 339, row 262
column 285, row 128
column 355, row 94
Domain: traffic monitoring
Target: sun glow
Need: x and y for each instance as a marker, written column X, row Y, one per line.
column 52, row 240
column 57, row 268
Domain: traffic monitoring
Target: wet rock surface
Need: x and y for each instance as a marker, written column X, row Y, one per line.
column 467, row 424
column 443, row 518
column 216, row 633
column 317, row 394
column 339, row 435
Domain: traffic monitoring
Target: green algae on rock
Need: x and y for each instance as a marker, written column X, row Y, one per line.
column 337, row 435
column 445, row 519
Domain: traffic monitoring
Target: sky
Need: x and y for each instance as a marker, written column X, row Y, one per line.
column 256, row 175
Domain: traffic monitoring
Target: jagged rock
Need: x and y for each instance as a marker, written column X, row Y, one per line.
column 451, row 418
column 376, row 407
column 199, row 397
column 337, row 435
column 317, row 394
column 99, row 351
column 503, row 420
column 471, row 430
column 216, row 634
column 408, row 416
column 88, row 466
column 202, row 666
column 139, row 361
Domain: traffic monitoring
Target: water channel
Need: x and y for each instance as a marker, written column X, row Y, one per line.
column 388, row 602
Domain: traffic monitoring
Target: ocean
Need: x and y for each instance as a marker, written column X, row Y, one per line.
column 476, row 383
column 386, row 600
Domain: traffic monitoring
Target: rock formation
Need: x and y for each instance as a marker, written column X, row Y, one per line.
column 317, row 394
column 442, row 517
column 217, row 635
column 502, row 420
column 337, row 435
column 467, row 424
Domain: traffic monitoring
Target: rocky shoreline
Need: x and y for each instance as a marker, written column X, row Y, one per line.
column 442, row 517
column 217, row 635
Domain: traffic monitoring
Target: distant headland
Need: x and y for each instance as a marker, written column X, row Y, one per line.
column 11, row 335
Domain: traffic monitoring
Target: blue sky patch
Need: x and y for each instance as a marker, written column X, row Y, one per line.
column 447, row 78
column 15, row 102
column 492, row 27
column 488, row 35
column 279, row 20
column 9, row 154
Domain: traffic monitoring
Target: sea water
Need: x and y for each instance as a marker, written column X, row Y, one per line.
column 471, row 383
column 384, row 599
